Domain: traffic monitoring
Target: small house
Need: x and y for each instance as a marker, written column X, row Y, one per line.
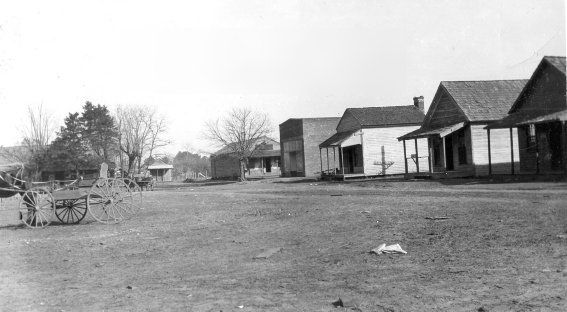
column 264, row 161
column 539, row 115
column 365, row 143
column 161, row 171
column 457, row 144
column 299, row 141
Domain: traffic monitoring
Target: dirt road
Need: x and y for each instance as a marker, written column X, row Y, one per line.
column 501, row 247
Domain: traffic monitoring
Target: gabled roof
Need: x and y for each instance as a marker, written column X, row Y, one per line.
column 337, row 138
column 158, row 164
column 484, row 100
column 227, row 149
column 386, row 115
column 557, row 62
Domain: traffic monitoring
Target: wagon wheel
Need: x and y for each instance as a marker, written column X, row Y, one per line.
column 136, row 194
column 36, row 207
column 110, row 201
column 71, row 211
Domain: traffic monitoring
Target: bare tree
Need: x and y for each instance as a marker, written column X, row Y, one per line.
column 37, row 134
column 140, row 133
column 239, row 132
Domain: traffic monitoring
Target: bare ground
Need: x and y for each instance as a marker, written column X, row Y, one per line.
column 192, row 248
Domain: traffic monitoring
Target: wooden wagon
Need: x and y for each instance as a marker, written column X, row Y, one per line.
column 107, row 200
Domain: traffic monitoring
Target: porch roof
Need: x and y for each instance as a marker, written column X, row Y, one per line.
column 436, row 132
column 265, row 153
column 337, row 138
column 517, row 119
column 557, row 116
column 158, row 164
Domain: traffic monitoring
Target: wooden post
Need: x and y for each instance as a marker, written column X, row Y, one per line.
column 321, row 160
column 405, row 157
column 334, row 162
column 564, row 146
column 489, row 153
column 342, row 161
column 512, row 149
column 537, row 150
column 429, row 160
column 328, row 166
column 416, row 156
column 444, row 156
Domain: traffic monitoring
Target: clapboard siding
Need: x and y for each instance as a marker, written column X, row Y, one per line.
column 500, row 150
column 376, row 139
column 445, row 112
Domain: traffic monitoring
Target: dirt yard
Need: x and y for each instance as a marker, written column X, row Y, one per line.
column 503, row 247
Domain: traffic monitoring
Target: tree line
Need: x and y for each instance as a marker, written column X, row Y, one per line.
column 127, row 139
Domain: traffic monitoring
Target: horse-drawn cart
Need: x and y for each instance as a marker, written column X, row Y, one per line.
column 107, row 200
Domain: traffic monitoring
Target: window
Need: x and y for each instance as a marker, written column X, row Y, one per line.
column 530, row 136
column 462, row 147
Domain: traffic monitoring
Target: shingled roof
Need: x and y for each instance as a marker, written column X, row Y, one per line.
column 484, row 100
column 557, row 61
column 387, row 115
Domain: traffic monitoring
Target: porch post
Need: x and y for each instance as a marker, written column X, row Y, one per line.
column 321, row 160
column 405, row 157
column 444, row 157
column 489, row 153
column 416, row 156
column 512, row 149
column 342, row 161
column 334, row 162
column 429, row 160
column 536, row 150
column 564, row 146
column 328, row 168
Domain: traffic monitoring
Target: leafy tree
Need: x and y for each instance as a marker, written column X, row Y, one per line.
column 70, row 151
column 99, row 130
column 238, row 132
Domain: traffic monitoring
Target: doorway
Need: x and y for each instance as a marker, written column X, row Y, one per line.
column 268, row 165
column 449, row 153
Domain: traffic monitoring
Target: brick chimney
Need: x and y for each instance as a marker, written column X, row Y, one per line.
column 418, row 102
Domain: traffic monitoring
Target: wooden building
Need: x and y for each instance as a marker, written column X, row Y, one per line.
column 161, row 171
column 539, row 115
column 457, row 144
column 263, row 162
column 299, row 141
column 366, row 144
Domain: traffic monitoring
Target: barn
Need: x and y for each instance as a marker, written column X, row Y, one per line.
column 299, row 141
column 539, row 115
column 366, row 144
column 457, row 144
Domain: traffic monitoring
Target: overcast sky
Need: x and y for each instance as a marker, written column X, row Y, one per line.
column 195, row 60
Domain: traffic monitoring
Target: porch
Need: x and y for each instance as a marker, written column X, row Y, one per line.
column 542, row 142
column 343, row 156
column 448, row 152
